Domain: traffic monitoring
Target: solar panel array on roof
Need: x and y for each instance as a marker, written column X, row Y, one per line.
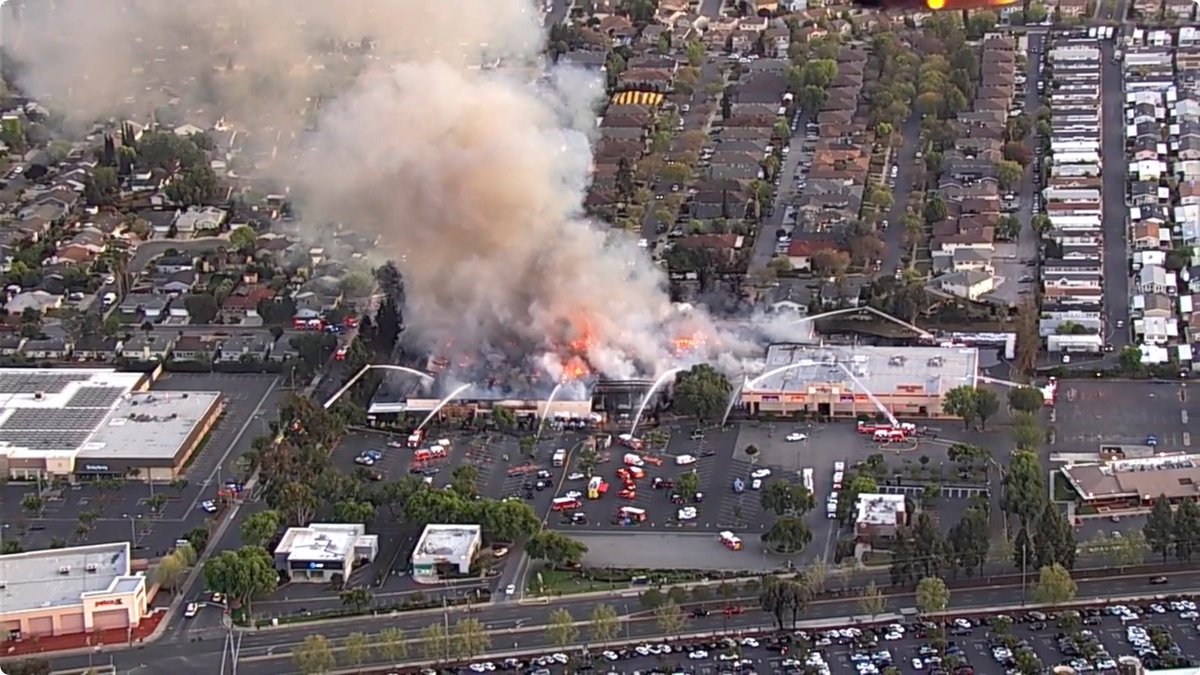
column 44, row 440
column 32, row 383
column 62, row 419
column 95, row 397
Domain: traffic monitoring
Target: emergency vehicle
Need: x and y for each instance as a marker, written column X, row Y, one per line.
column 560, row 457
column 807, row 476
column 415, row 439
column 596, row 487
column 731, row 541
column 889, row 435
column 565, row 504
column 631, row 459
column 629, row 441
column 432, row 452
column 631, row 514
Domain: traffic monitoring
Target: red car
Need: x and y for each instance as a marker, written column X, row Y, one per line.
column 340, row 354
column 627, row 494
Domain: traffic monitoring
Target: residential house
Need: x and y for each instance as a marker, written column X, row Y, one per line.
column 199, row 348
column 246, row 347
column 143, row 306
column 1148, row 235
column 171, row 264
column 801, row 251
column 10, row 345
column 147, row 347
column 96, row 348
column 194, row 220
column 46, row 349
column 39, row 301
column 1156, row 279
column 968, row 284
column 82, row 248
column 244, row 301
column 175, row 284
column 1054, row 316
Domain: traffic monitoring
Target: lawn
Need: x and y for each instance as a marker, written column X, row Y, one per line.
column 563, row 582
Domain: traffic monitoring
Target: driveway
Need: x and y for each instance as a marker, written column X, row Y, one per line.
column 1116, row 166
column 908, row 177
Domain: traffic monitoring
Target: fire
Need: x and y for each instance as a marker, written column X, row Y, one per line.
column 575, row 369
column 689, row 343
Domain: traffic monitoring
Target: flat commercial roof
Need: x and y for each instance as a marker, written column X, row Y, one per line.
column 52, row 412
column 929, row 371
column 36, row 580
column 149, row 425
column 320, row 542
column 1174, row 476
column 447, row 542
column 879, row 509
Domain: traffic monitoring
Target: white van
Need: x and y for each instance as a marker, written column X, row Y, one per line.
column 109, row 298
column 895, row 171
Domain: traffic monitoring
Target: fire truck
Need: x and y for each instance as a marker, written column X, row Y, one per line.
column 889, row 435
column 731, row 541
column 565, row 504
column 432, row 452
column 415, row 439
column 631, row 514
column 629, row 441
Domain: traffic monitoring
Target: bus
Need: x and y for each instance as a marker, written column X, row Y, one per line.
column 560, row 457
column 731, row 541
column 631, row 514
column 565, row 504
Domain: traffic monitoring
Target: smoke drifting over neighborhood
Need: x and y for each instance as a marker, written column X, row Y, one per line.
column 473, row 178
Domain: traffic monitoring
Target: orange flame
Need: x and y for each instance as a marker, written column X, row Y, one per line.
column 689, row 343
column 575, row 369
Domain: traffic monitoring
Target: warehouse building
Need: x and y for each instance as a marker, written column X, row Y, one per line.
column 84, row 423
column 445, row 551
column 848, row 381
column 70, row 590
column 322, row 551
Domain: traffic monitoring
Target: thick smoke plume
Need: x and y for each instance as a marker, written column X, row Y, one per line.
column 472, row 177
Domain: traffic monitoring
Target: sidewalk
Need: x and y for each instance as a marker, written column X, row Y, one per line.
column 61, row 644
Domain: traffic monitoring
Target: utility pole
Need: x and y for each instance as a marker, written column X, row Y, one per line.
column 1024, row 567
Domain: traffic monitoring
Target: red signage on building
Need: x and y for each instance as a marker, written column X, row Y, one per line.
column 115, row 602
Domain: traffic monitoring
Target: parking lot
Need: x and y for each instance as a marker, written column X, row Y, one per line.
column 1091, row 412
column 720, row 458
column 124, row 513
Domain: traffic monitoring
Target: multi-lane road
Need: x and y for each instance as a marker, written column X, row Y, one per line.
column 522, row 627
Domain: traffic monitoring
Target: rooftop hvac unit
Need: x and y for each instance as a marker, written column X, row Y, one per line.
column 65, row 569
column 92, row 567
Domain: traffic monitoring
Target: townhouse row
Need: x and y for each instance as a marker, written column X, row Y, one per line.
column 1072, row 202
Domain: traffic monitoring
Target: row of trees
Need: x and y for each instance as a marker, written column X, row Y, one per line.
column 1173, row 532
column 921, row 550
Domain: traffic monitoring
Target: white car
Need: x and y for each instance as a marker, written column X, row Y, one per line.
column 395, row 444
column 750, row 642
column 917, row 664
column 839, row 466
column 611, row 655
column 510, row 589
column 560, row 658
column 728, row 656
column 756, row 484
column 573, row 494
column 792, row 438
column 962, row 623
column 578, row 475
column 208, row 506
column 698, row 655
column 687, row 513
column 760, row 473
column 684, row 460
column 192, row 609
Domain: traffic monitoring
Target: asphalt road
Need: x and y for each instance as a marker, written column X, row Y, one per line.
column 1116, row 167
column 267, row 652
column 908, row 178
column 785, row 193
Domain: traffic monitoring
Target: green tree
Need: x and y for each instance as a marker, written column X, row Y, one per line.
column 358, row 597
column 1009, row 174
column 702, row 392
column 314, row 656
column 969, row 539
column 356, row 648
column 1160, row 528
column 696, row 53
column 1130, row 360
column 987, row 404
column 670, row 617
column 1187, row 530
column 782, row 498
column 201, row 307
column 687, row 485
column 1024, row 487
column 1054, row 538
column 243, row 238
column 605, row 623
column 33, row 504
column 556, row 548
column 352, row 511
column 471, row 638
column 1027, row 431
column 435, row 642
column 961, row 402
column 932, row 595
column 242, row 575
column 561, row 629
column 102, row 187
column 1055, row 585
column 871, row 601
column 788, row 534
column 259, row 528
column 391, row 645
column 170, row 571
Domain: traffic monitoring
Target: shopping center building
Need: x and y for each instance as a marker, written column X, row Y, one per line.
column 847, row 381
column 70, row 590
column 81, row 423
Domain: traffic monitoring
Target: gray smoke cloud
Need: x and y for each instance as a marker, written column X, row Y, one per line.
column 472, row 177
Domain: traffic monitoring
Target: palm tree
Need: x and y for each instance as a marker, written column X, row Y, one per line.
column 760, row 192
